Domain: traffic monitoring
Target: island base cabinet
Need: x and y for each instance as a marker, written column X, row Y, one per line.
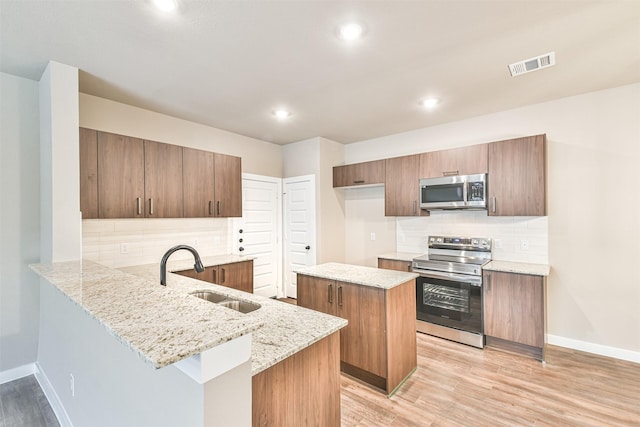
column 302, row 390
column 378, row 346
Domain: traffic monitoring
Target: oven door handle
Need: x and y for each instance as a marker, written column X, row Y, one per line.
column 472, row 280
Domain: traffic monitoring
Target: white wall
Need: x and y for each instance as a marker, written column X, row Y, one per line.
column 19, row 220
column 594, row 214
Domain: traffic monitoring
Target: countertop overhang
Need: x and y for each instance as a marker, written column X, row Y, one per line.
column 360, row 275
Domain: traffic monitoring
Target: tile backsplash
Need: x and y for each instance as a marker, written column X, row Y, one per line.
column 510, row 235
column 125, row 242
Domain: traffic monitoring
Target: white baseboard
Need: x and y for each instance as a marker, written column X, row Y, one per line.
column 52, row 397
column 17, row 373
column 602, row 350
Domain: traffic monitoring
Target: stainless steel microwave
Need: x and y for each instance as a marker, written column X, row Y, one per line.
column 454, row 192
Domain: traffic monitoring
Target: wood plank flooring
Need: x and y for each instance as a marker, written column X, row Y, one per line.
column 458, row 385
column 22, row 404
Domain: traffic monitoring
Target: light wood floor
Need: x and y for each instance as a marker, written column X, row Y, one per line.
column 458, row 385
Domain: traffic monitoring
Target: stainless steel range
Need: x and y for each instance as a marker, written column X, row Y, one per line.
column 449, row 289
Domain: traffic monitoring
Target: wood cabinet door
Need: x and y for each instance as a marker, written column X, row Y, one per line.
column 317, row 294
column 237, row 275
column 205, row 276
column 89, row 173
column 392, row 264
column 163, row 180
column 365, row 173
column 455, row 161
column 197, row 183
column 516, row 181
column 514, row 307
column 363, row 341
column 228, row 185
column 120, row 176
column 401, row 186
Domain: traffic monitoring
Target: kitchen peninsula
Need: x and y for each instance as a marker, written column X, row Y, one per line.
column 223, row 352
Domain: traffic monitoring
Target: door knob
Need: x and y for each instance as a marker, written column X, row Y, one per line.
column 307, row 247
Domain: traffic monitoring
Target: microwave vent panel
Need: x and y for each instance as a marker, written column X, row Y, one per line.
column 533, row 64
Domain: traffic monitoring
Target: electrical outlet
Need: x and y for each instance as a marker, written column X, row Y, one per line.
column 497, row 243
column 373, row 236
column 216, row 240
column 524, row 245
column 196, row 242
column 72, row 385
column 124, row 248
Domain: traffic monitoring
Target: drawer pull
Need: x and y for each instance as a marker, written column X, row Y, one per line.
column 360, row 181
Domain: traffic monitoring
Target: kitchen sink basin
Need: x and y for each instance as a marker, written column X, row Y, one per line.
column 241, row 306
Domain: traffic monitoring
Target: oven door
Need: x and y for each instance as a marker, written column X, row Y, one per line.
column 451, row 300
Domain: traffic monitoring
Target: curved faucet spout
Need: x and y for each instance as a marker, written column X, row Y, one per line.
column 163, row 263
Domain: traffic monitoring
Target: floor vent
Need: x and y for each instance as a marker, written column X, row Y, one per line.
column 533, row 64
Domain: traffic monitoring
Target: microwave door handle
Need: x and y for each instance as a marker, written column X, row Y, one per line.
column 465, row 190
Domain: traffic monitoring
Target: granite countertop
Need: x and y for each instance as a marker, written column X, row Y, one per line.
column 360, row 275
column 518, row 267
column 400, row 256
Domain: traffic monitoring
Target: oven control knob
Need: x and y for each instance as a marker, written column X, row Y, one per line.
column 474, row 242
column 439, row 239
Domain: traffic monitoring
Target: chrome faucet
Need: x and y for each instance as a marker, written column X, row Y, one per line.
column 163, row 264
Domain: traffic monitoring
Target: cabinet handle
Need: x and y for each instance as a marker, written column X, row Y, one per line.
column 223, row 278
column 139, row 202
column 493, row 204
column 360, row 181
column 150, row 206
column 450, row 173
column 218, row 207
column 415, row 207
column 330, row 294
column 210, row 207
column 488, row 287
column 340, row 296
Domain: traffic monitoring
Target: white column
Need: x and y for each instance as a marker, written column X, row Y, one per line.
column 60, row 218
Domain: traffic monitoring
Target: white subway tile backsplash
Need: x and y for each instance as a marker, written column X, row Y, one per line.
column 148, row 239
column 412, row 233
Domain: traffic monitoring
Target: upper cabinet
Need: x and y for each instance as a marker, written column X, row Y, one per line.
column 120, row 176
column 365, row 173
column 88, row 173
column 126, row 177
column 228, row 185
column 163, row 180
column 401, row 190
column 457, row 161
column 516, row 181
column 198, row 183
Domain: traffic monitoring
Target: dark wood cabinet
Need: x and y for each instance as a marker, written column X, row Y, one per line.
column 455, row 161
column 365, row 173
column 401, row 187
column 514, row 312
column 198, row 183
column 88, row 173
column 162, row 180
column 236, row 275
column 120, row 176
column 392, row 264
column 379, row 321
column 228, row 186
column 517, row 177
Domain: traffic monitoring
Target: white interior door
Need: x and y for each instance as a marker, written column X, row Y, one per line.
column 261, row 229
column 299, row 228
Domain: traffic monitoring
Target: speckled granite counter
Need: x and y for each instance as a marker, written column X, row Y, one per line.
column 518, row 267
column 165, row 324
column 360, row 275
column 400, row 256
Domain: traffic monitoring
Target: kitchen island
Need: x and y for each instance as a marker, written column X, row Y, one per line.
column 379, row 344
column 166, row 327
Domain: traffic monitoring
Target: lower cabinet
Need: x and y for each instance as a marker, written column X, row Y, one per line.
column 302, row 390
column 514, row 312
column 393, row 264
column 378, row 345
column 237, row 275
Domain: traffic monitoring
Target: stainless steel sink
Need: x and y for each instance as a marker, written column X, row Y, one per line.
column 241, row 306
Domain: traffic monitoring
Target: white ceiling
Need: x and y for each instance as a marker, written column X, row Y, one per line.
column 229, row 64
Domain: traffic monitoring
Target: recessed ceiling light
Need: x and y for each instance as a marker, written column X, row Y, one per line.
column 350, row 31
column 166, row 5
column 429, row 102
column 281, row 114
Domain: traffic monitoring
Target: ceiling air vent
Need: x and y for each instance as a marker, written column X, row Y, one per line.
column 533, row 64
